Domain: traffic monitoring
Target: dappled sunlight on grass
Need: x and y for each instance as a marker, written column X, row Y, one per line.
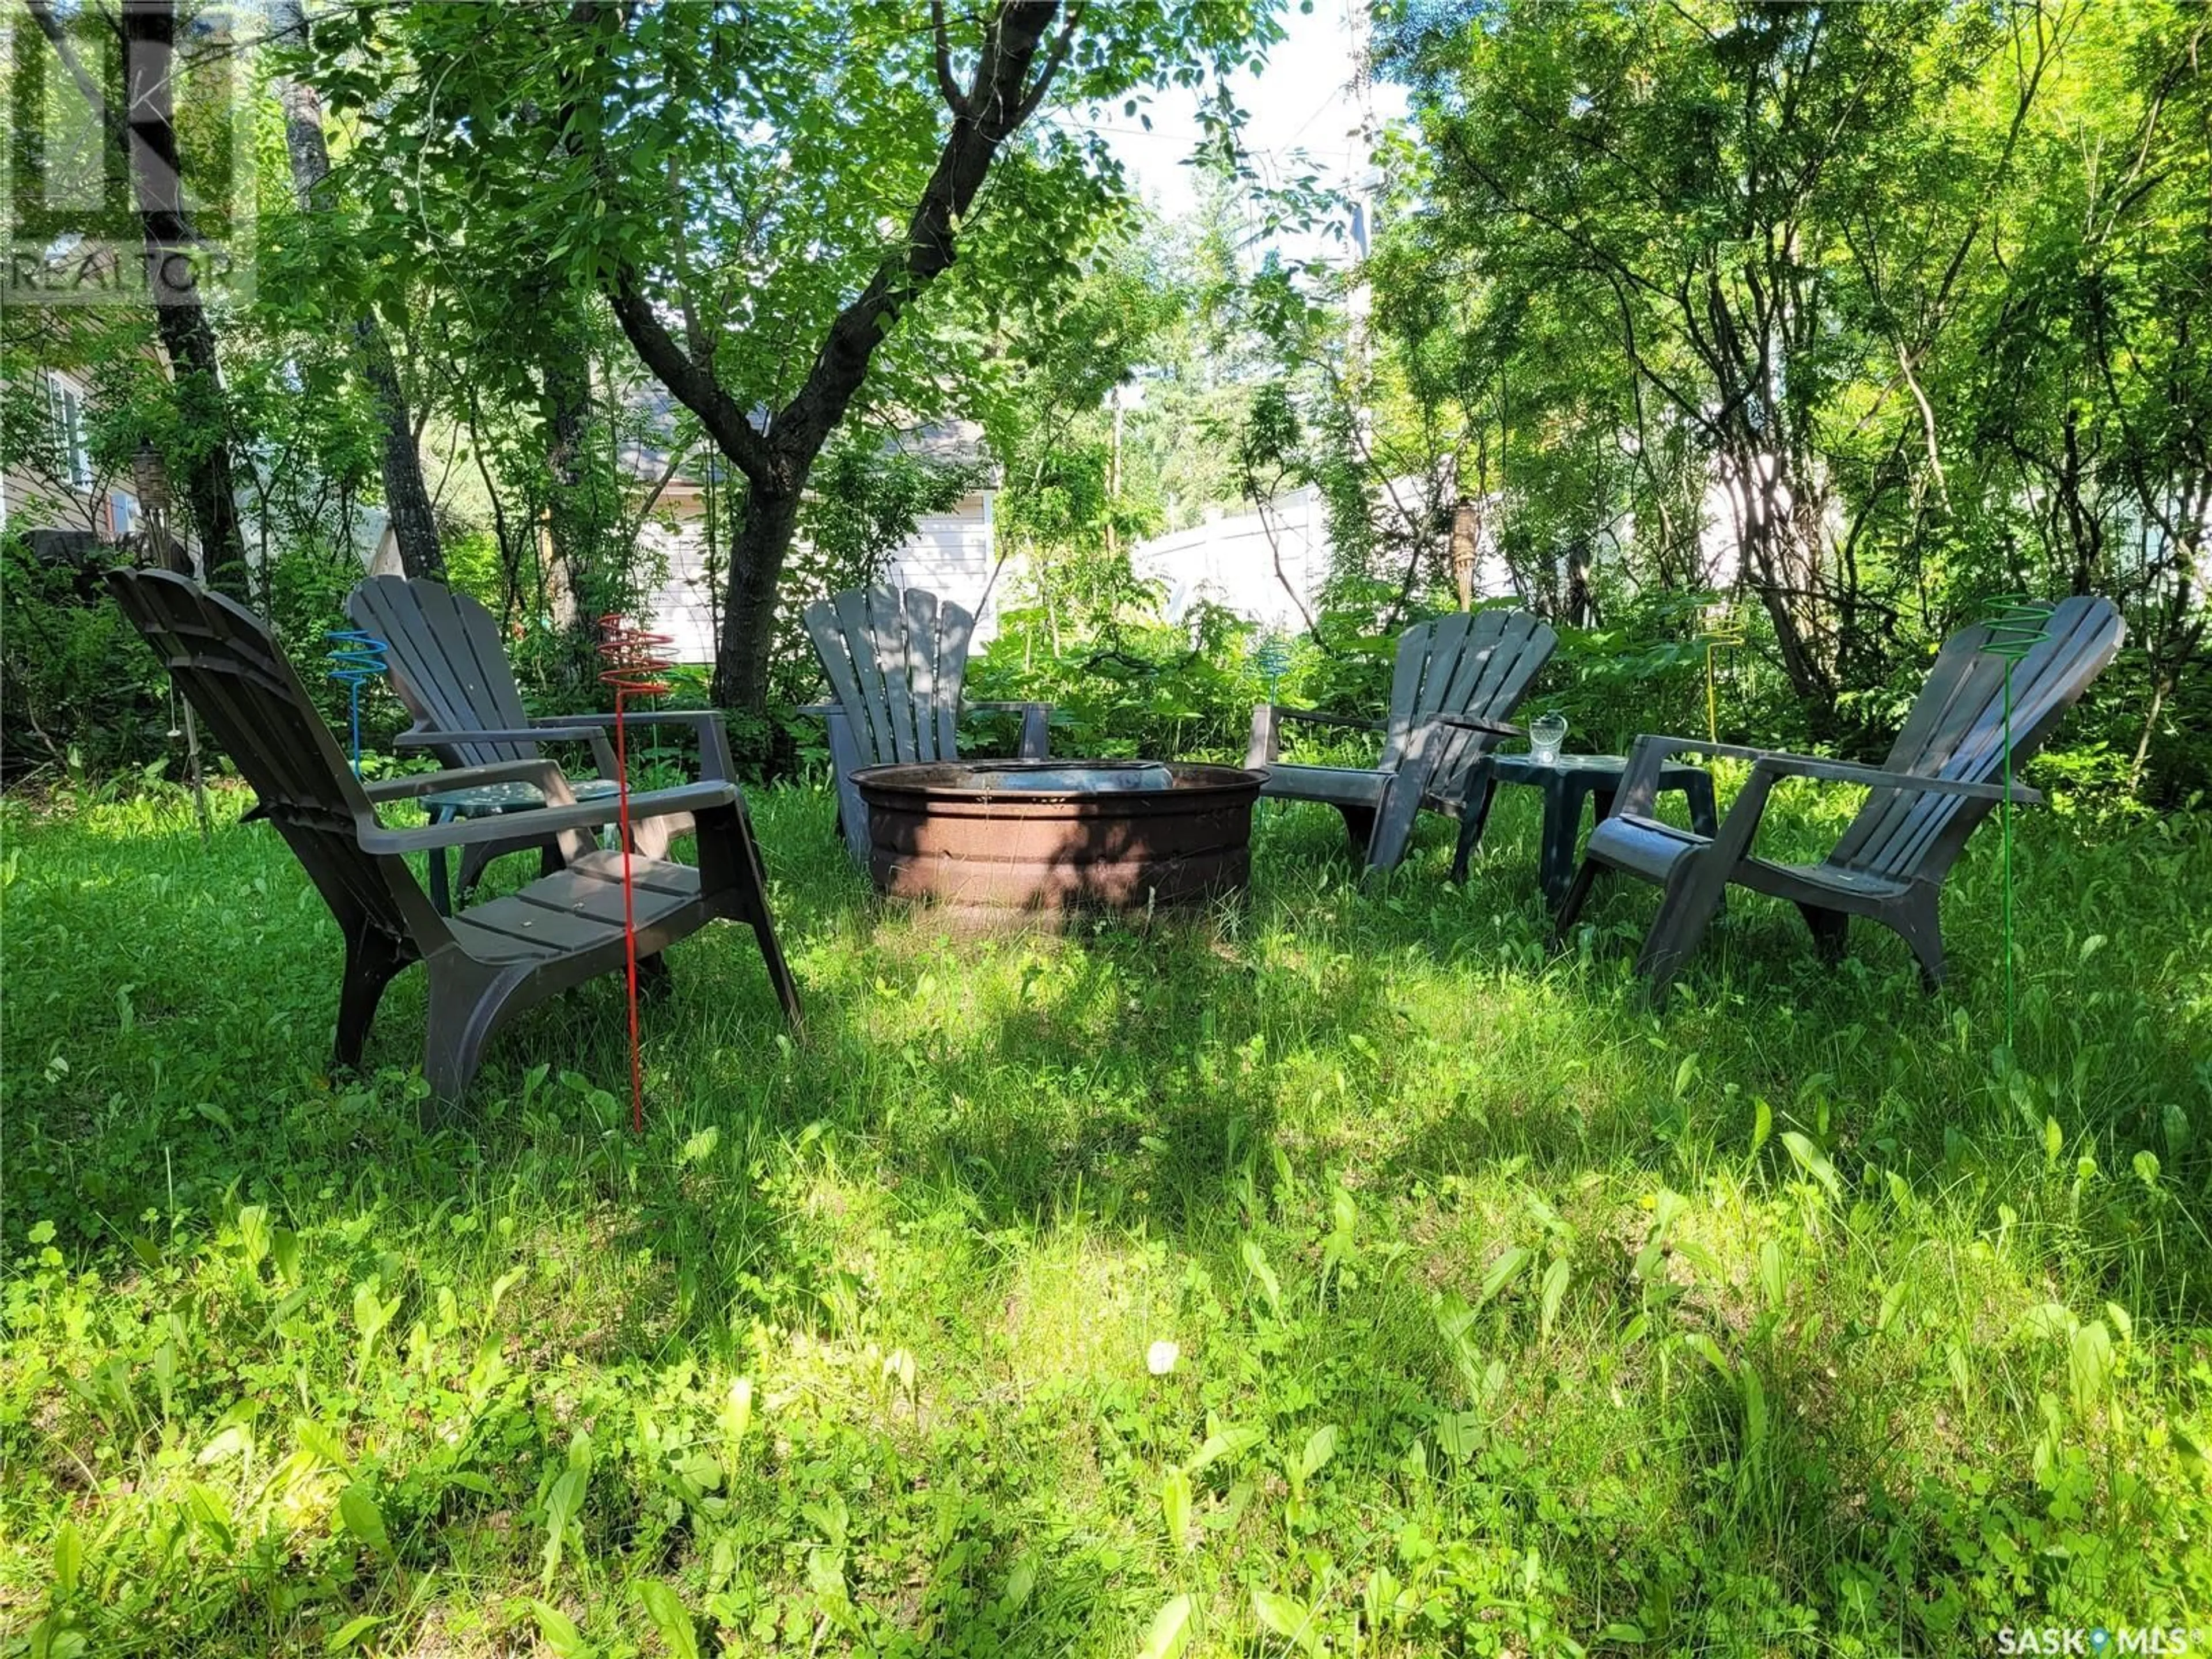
column 1791, row 1316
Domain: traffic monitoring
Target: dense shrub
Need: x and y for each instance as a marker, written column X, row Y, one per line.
column 1136, row 688
column 82, row 694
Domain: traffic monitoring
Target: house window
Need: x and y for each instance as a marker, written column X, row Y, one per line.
column 68, row 409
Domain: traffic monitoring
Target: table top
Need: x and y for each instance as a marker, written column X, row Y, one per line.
column 1526, row 768
column 486, row 797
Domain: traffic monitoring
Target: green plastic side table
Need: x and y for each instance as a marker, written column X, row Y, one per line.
column 1567, row 784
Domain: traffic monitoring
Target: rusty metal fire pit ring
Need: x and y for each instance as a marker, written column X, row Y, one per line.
column 1041, row 839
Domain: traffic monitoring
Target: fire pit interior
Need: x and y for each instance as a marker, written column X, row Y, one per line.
column 1044, row 837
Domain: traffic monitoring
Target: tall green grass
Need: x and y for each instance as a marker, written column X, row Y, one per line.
column 1504, row 1314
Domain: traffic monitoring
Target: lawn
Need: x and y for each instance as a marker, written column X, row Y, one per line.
column 1344, row 1272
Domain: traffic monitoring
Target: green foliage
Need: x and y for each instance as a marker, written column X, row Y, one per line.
column 867, row 494
column 1854, row 289
column 83, row 696
column 1135, row 689
column 1792, row 1322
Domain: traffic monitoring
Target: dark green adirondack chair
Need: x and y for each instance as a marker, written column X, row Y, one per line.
column 896, row 663
column 1939, row 782
column 493, row 960
column 1456, row 681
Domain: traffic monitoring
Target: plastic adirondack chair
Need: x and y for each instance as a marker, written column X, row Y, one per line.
column 1456, row 681
column 895, row 663
column 449, row 667
column 1923, row 803
column 493, row 959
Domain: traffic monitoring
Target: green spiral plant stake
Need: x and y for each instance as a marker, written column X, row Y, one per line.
column 1274, row 661
column 2016, row 624
column 1723, row 632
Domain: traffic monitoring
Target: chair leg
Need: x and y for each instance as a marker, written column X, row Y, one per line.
column 853, row 820
column 779, row 971
column 1577, row 896
column 1036, row 733
column 1359, row 825
column 1474, row 814
column 750, row 882
column 466, row 1006
column 1393, row 822
column 372, row 960
column 475, row 860
column 1694, row 887
column 1261, row 749
column 441, row 896
column 1830, row 930
column 1917, row 921
column 654, row 978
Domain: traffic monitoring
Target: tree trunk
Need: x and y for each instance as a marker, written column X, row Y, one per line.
column 1466, row 549
column 568, row 526
column 756, row 556
column 777, row 460
column 149, row 41
column 406, row 497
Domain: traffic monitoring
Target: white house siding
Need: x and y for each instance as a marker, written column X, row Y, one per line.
column 1231, row 561
column 949, row 553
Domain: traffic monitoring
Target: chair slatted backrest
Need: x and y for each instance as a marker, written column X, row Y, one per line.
column 448, row 664
column 896, row 663
column 1957, row 730
column 1479, row 663
column 221, row 658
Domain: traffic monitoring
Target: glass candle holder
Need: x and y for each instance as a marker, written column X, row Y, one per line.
column 1546, row 733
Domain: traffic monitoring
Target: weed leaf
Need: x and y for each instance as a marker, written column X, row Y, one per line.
column 1503, row 1272
column 1286, row 1616
column 559, row 1632
column 561, row 1507
column 1175, row 1507
column 352, row 1630
column 1170, row 1629
column 68, row 1559
column 669, row 1617
column 1255, row 1263
column 1554, row 1291
column 357, row 1509
column 1814, row 1163
column 1320, row 1446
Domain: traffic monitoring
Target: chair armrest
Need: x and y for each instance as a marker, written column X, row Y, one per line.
column 1782, row 763
column 1875, row 777
column 1315, row 717
column 715, row 763
column 550, row 819
column 819, row 710
column 1477, row 723
column 1268, row 720
column 603, row 754
column 1036, row 724
column 426, row 737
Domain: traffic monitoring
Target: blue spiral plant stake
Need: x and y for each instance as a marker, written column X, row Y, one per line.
column 355, row 657
column 2016, row 626
column 1272, row 660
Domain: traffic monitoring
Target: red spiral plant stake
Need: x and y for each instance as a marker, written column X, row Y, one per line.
column 639, row 661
